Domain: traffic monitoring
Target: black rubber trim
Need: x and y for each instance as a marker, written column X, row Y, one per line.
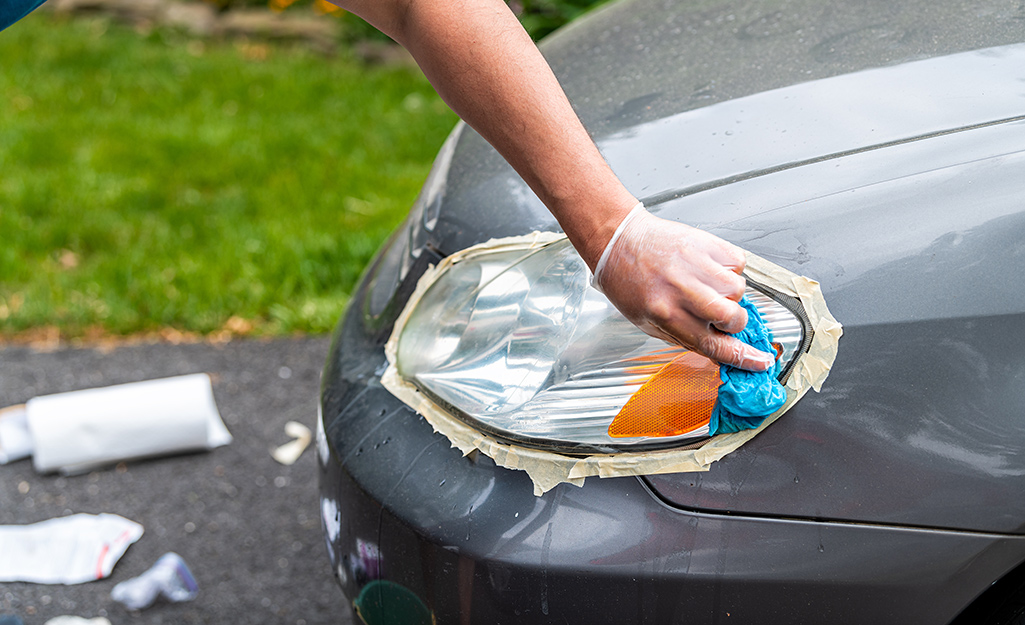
column 795, row 306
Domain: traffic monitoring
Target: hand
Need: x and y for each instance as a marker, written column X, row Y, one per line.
column 679, row 284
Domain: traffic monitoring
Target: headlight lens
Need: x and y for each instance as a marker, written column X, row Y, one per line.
column 518, row 345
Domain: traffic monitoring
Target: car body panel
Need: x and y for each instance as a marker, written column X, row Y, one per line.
column 877, row 198
column 471, row 541
column 634, row 63
column 485, row 553
column 864, row 158
column 920, row 422
column 758, row 135
column 638, row 61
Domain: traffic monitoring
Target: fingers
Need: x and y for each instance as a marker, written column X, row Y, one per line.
column 715, row 345
column 726, row 283
column 730, row 351
column 682, row 285
column 725, row 253
column 731, row 318
column 720, row 309
column 693, row 333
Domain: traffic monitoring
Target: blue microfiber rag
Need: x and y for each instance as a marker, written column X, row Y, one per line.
column 746, row 398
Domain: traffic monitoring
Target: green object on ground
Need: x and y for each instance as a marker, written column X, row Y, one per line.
column 386, row 603
column 155, row 181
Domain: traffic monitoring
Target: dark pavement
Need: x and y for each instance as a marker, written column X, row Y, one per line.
column 248, row 527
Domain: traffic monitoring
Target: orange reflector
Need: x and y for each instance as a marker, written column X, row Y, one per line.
column 676, row 400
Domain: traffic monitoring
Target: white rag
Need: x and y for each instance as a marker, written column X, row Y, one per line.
column 65, row 550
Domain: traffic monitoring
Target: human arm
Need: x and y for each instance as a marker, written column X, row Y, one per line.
column 675, row 282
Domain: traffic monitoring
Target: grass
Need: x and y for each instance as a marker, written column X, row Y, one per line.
column 151, row 181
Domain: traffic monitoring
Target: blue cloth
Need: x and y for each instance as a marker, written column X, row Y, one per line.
column 13, row 10
column 746, row 398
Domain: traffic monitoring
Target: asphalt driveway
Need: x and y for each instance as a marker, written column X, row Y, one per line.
column 248, row 527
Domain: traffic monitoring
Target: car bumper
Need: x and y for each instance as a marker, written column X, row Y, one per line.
column 468, row 542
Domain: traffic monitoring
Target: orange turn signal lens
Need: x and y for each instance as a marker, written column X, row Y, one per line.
column 677, row 400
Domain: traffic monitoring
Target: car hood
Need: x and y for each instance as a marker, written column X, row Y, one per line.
column 898, row 187
column 645, row 77
column 904, row 199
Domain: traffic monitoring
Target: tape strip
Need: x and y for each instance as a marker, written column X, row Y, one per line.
column 547, row 469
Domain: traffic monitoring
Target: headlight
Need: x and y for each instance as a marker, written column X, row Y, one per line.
column 517, row 345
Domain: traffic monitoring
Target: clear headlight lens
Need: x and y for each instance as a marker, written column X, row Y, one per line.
column 518, row 345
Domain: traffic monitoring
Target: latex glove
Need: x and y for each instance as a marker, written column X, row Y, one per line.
column 679, row 284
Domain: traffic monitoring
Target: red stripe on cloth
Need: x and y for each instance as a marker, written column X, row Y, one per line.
column 125, row 535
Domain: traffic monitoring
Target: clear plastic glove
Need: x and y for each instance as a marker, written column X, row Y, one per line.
column 679, row 284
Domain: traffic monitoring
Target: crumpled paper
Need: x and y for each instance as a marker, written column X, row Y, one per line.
column 547, row 469
column 288, row 453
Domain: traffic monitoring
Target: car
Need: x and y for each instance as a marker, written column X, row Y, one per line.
column 877, row 148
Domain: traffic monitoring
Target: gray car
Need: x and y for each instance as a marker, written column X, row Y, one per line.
column 877, row 147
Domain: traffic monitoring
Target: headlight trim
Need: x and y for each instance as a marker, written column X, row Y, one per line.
column 547, row 469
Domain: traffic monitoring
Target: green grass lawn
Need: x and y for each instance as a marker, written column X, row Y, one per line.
column 150, row 181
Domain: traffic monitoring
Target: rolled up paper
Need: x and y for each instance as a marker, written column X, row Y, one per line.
column 78, row 431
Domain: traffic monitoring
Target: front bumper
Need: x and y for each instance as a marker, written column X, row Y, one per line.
column 468, row 542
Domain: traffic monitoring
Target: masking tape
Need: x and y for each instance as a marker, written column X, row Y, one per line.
column 547, row 469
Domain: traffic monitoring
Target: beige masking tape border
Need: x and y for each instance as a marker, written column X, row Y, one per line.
column 547, row 469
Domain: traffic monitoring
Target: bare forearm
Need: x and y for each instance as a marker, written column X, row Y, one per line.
column 674, row 282
column 489, row 71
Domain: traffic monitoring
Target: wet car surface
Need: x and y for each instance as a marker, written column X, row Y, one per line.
column 878, row 148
